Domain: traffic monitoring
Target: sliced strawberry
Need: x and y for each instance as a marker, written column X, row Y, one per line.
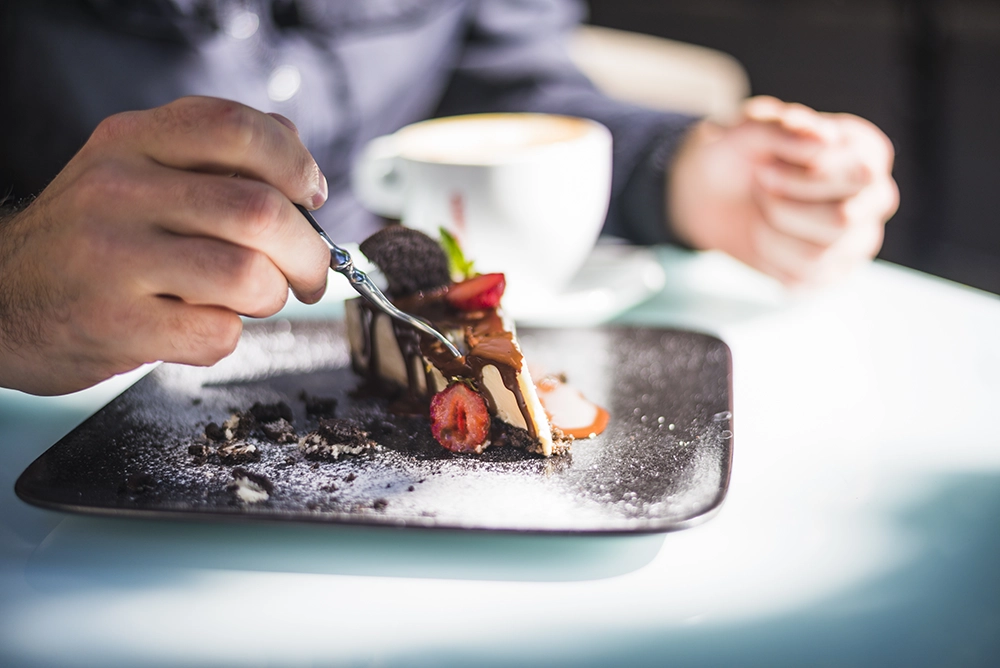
column 459, row 419
column 478, row 292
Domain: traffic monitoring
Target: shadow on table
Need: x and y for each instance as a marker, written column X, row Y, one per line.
column 131, row 551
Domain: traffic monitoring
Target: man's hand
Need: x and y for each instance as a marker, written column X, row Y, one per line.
column 146, row 248
column 797, row 194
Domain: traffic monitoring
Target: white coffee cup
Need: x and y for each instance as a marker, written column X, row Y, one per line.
column 525, row 194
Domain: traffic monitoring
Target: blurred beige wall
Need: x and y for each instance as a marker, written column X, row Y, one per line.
column 660, row 73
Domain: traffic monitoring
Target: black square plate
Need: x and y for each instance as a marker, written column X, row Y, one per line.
column 662, row 464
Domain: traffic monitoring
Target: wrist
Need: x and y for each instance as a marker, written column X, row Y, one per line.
column 12, row 336
column 684, row 191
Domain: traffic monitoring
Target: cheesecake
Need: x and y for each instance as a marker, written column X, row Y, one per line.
column 482, row 398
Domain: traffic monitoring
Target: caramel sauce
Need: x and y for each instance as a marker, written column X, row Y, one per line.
column 569, row 411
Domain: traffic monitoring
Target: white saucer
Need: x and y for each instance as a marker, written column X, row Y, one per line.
column 614, row 278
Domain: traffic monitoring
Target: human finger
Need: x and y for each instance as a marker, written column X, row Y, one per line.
column 786, row 257
column 205, row 271
column 221, row 136
column 790, row 117
column 821, row 223
column 246, row 213
column 795, row 261
column 832, row 177
column 172, row 330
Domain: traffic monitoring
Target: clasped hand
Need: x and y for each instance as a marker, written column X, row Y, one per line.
column 799, row 195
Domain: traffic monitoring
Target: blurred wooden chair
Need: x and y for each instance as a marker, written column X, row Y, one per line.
column 660, row 73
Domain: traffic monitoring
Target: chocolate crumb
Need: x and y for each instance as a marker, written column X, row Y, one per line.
column 351, row 477
column 380, row 504
column 335, row 437
column 262, row 481
column 214, row 432
column 319, row 407
column 250, row 487
column 279, row 431
column 238, row 452
column 236, row 428
column 140, row 483
column 266, row 413
column 410, row 488
column 200, row 452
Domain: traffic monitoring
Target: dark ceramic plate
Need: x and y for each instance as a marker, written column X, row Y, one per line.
column 662, row 464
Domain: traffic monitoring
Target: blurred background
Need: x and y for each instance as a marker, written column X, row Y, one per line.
column 926, row 71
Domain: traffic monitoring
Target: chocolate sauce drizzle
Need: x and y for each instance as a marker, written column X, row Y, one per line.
column 480, row 335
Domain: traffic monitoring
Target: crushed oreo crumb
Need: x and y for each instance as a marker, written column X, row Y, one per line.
column 280, row 431
column 380, row 504
column 238, row 452
column 335, row 437
column 319, row 407
column 214, row 432
column 139, row 483
column 410, row 260
column 250, row 487
column 267, row 413
column 238, row 426
column 200, row 452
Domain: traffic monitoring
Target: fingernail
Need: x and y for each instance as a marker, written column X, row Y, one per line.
column 321, row 195
column 284, row 121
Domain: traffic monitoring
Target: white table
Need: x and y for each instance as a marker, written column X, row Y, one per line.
column 861, row 525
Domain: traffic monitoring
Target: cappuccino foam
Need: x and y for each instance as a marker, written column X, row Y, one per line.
column 488, row 138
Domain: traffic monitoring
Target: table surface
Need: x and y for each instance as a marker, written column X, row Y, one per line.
column 860, row 526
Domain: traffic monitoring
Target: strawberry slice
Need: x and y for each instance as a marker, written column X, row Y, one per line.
column 459, row 419
column 479, row 292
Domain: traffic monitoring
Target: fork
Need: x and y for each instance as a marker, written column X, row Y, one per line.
column 341, row 262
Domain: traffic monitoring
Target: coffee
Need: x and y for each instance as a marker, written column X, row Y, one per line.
column 525, row 194
column 487, row 138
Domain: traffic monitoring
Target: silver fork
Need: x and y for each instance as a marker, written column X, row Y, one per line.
column 340, row 261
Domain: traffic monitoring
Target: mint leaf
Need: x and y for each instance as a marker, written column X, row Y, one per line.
column 459, row 267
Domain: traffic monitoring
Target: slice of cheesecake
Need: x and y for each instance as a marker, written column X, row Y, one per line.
column 490, row 382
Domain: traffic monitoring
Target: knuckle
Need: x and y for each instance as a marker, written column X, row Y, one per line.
column 103, row 181
column 840, row 216
column 262, row 209
column 262, row 287
column 235, row 124
column 230, row 123
column 306, row 174
column 214, row 335
column 114, row 127
column 227, row 334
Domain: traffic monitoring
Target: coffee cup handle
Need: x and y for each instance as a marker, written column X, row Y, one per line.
column 377, row 177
